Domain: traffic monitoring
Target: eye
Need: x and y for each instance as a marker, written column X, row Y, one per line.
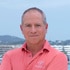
column 27, row 25
column 38, row 25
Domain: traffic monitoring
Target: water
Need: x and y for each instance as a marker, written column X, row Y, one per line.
column 69, row 67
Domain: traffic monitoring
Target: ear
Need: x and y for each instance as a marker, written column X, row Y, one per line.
column 46, row 25
column 21, row 27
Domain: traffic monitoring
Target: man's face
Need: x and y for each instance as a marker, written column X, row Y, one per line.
column 33, row 28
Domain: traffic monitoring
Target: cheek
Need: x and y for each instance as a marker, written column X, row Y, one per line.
column 43, row 32
column 25, row 32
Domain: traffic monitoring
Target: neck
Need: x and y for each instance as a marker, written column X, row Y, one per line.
column 34, row 48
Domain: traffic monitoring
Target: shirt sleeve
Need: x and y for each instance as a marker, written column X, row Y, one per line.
column 6, row 63
column 59, row 62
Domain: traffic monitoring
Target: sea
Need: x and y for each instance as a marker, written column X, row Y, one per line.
column 69, row 67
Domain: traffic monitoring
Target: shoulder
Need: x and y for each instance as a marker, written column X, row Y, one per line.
column 13, row 52
column 57, row 59
column 57, row 56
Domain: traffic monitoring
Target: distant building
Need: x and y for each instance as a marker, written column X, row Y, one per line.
column 58, row 47
column 67, row 49
column 63, row 48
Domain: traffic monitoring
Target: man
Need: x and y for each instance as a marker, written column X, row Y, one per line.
column 36, row 53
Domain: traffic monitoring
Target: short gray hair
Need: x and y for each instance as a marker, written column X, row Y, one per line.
column 36, row 9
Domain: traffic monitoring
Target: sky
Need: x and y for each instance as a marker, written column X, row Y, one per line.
column 56, row 11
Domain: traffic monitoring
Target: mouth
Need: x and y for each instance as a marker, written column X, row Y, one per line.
column 34, row 36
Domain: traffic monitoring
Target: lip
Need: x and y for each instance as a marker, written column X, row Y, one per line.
column 34, row 36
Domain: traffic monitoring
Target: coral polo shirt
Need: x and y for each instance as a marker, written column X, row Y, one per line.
column 46, row 59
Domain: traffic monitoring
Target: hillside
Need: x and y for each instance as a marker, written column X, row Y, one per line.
column 7, row 39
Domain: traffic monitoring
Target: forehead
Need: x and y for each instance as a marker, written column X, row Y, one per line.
column 32, row 13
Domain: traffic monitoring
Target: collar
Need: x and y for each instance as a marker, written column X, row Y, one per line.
column 46, row 46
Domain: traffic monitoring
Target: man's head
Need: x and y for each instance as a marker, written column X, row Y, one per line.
column 34, row 25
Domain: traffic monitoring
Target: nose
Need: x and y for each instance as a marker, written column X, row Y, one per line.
column 33, row 29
